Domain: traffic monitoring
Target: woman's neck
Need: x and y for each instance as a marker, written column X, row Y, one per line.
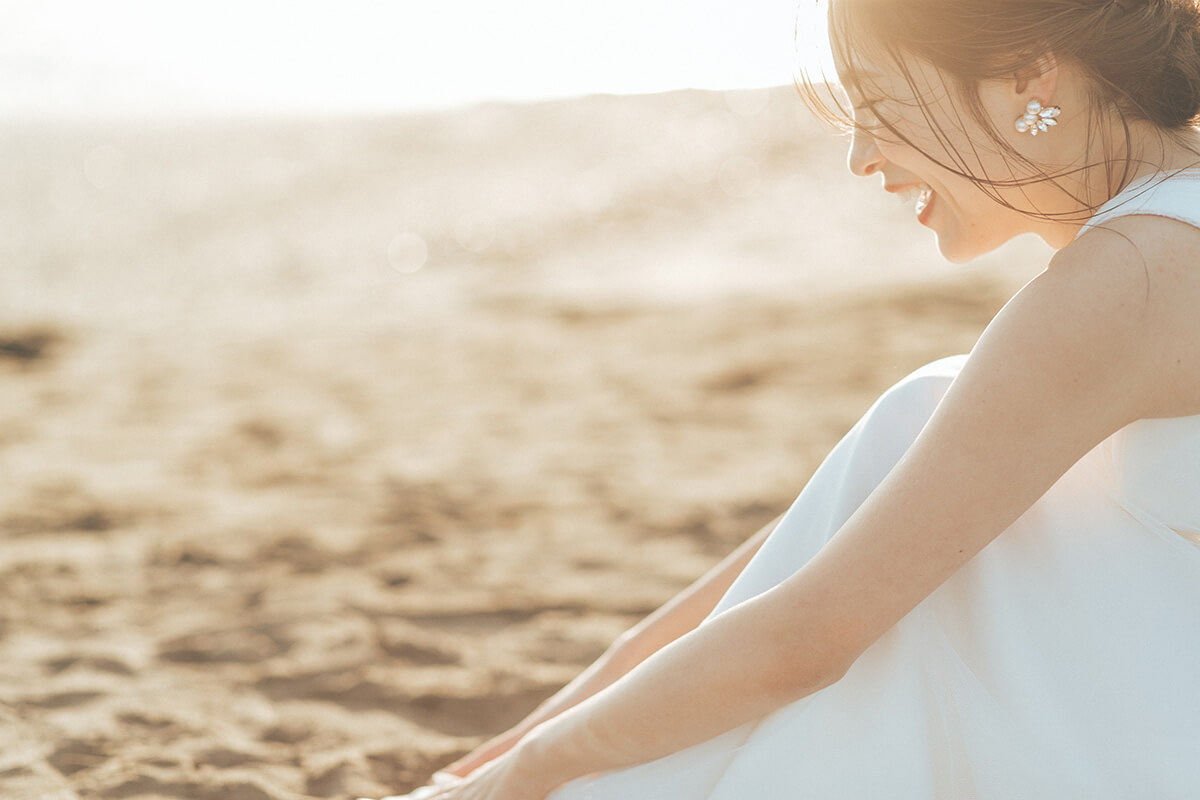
column 1150, row 151
column 1157, row 151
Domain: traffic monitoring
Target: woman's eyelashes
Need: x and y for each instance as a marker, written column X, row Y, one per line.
column 869, row 117
column 863, row 113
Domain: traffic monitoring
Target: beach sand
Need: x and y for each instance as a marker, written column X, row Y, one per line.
column 332, row 446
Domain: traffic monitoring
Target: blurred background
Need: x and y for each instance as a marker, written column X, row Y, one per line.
column 73, row 58
column 367, row 369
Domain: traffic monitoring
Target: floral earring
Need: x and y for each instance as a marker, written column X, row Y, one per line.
column 1037, row 119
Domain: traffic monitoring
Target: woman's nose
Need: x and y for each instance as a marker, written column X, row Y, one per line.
column 864, row 158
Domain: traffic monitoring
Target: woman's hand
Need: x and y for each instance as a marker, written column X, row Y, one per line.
column 486, row 752
column 509, row 777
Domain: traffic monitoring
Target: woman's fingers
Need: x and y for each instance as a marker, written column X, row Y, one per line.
column 494, row 779
column 440, row 787
column 463, row 766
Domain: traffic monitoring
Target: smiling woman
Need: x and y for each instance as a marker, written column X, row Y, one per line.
column 983, row 591
column 943, row 86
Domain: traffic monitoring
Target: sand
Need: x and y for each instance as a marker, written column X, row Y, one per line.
column 332, row 446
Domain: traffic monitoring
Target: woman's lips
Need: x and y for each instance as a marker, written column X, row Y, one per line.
column 921, row 196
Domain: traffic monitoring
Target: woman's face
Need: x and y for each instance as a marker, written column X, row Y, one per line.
column 967, row 221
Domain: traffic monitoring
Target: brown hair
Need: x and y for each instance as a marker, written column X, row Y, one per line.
column 1142, row 59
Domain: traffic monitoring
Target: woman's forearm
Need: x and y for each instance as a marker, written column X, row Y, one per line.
column 675, row 618
column 678, row 616
column 687, row 609
column 601, row 674
column 734, row 669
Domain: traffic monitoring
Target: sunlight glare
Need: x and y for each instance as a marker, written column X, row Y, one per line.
column 317, row 55
column 407, row 252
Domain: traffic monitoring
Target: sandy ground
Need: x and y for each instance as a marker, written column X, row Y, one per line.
column 331, row 447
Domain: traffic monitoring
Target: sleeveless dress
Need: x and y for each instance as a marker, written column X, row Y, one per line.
column 1061, row 662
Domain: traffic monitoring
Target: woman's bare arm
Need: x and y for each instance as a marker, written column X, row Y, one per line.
column 675, row 618
column 1076, row 356
column 688, row 608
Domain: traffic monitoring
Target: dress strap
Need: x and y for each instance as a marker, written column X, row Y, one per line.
column 1173, row 195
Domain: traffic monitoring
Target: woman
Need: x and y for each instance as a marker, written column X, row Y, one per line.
column 870, row 646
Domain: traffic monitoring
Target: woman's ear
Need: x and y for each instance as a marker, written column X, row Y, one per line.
column 1037, row 81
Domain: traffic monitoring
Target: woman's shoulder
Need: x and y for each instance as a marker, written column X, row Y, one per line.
column 1165, row 251
column 1132, row 285
column 1155, row 234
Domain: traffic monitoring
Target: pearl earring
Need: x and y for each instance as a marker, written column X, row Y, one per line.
column 1037, row 119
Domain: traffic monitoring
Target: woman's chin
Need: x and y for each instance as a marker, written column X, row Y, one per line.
column 961, row 249
column 960, row 259
column 954, row 251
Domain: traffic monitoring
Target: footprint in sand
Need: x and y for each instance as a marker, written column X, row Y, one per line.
column 148, row 786
column 75, row 755
column 473, row 715
column 29, row 346
column 247, row 645
column 54, row 702
column 113, row 666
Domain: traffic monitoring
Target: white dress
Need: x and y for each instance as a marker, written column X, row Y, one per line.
column 1061, row 662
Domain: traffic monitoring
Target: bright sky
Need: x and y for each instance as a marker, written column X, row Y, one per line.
column 85, row 57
